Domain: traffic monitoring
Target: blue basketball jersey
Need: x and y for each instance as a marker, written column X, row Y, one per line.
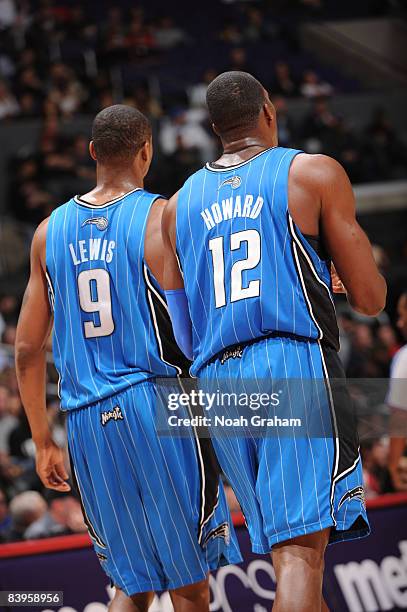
column 107, row 306
column 248, row 270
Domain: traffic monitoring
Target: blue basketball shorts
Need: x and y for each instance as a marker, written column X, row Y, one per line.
column 290, row 483
column 154, row 506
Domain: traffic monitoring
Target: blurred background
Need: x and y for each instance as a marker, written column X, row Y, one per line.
column 337, row 74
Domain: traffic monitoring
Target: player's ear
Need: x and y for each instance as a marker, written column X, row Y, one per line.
column 145, row 151
column 92, row 151
column 268, row 113
column 146, row 155
column 215, row 129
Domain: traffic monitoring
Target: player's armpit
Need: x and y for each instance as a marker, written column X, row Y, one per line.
column 172, row 273
column 346, row 242
column 33, row 329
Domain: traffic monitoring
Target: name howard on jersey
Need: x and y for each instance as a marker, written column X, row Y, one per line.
column 92, row 249
column 232, row 207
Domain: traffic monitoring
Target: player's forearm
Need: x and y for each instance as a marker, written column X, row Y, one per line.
column 31, row 376
column 181, row 322
column 372, row 299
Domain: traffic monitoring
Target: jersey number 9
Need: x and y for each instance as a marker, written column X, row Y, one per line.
column 95, row 297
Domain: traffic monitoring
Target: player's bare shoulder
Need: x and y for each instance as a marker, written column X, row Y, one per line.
column 38, row 246
column 315, row 170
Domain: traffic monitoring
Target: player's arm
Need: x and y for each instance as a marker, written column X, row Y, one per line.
column 33, row 330
column 174, row 283
column 345, row 240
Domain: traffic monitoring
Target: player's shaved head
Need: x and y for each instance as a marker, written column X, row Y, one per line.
column 118, row 133
column 235, row 100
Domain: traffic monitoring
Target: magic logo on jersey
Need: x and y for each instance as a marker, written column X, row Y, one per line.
column 356, row 493
column 221, row 531
column 233, row 181
column 100, row 223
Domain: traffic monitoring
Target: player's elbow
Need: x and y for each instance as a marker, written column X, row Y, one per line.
column 26, row 352
column 373, row 300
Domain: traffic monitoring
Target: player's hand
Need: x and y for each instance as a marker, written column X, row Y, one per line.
column 337, row 284
column 50, row 467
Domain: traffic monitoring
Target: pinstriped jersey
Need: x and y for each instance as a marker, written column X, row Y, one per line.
column 107, row 306
column 248, row 270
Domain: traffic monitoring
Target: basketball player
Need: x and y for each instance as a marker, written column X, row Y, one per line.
column 254, row 233
column 96, row 265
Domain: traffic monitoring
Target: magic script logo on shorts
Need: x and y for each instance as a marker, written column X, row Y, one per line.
column 114, row 414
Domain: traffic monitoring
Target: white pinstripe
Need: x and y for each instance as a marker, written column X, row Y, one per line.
column 86, row 501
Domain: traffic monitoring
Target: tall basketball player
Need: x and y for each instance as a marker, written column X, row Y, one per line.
column 96, row 264
column 253, row 234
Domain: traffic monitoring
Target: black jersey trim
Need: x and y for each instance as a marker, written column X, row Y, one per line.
column 79, row 200
column 209, row 471
column 51, row 292
column 316, row 292
column 344, row 425
column 210, row 167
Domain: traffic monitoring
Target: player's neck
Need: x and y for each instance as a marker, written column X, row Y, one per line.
column 241, row 149
column 113, row 183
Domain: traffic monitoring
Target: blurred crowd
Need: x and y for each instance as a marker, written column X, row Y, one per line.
column 59, row 62
column 59, row 166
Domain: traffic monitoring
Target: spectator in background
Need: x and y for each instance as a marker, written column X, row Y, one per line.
column 167, row 35
column 318, row 126
column 145, row 103
column 8, row 311
column 197, row 93
column 397, row 401
column 231, row 34
column 65, row 91
column 256, row 28
column 283, row 83
column 8, row 14
column 8, row 421
column 186, row 127
column 8, row 104
column 139, row 40
column 286, row 129
column 375, row 475
column 25, row 508
column 5, row 518
column 63, row 517
column 384, row 153
column 180, row 162
column 238, row 60
column 313, row 87
column 8, row 339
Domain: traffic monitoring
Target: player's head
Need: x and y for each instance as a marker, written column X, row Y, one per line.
column 240, row 107
column 402, row 314
column 121, row 137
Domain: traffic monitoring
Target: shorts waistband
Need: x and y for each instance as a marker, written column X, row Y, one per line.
column 236, row 350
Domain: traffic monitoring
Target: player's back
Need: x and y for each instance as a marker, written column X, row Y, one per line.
column 248, row 270
column 107, row 305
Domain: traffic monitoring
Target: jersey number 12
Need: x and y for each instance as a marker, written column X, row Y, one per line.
column 237, row 291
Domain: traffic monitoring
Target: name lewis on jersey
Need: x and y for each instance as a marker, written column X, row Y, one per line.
column 232, row 207
column 92, row 249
